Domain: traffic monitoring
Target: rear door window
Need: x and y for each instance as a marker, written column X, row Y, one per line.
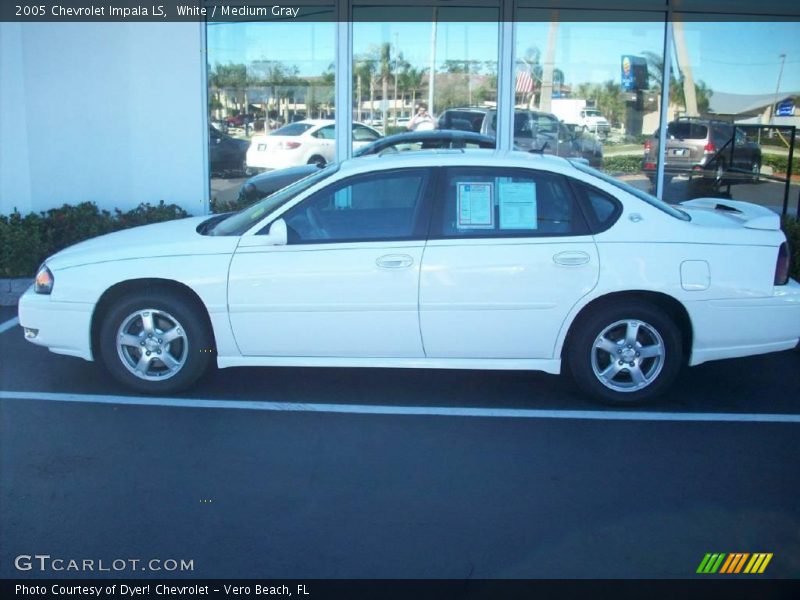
column 482, row 202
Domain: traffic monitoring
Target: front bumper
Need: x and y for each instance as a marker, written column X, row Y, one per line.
column 61, row 327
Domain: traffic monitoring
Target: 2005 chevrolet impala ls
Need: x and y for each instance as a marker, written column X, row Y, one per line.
column 459, row 260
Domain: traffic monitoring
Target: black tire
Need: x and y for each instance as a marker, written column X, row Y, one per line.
column 583, row 345
column 317, row 160
column 192, row 349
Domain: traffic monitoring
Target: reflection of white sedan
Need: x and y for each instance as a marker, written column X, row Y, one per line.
column 453, row 259
column 312, row 141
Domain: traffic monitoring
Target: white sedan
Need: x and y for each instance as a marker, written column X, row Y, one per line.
column 309, row 142
column 457, row 259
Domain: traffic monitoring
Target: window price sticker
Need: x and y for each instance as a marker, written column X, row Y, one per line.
column 518, row 206
column 475, row 206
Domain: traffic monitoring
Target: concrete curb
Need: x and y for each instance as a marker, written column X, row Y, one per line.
column 12, row 289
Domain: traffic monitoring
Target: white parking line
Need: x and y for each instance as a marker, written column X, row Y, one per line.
column 442, row 411
column 9, row 324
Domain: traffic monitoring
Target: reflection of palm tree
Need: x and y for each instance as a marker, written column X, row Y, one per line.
column 411, row 81
column 385, row 73
column 655, row 69
column 365, row 71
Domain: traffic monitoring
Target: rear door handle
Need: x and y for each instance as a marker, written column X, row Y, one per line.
column 394, row 261
column 571, row 259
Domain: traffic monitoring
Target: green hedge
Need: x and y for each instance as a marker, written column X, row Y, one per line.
column 628, row 163
column 27, row 240
column 633, row 163
column 778, row 163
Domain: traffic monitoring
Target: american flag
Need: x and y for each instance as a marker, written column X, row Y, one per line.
column 524, row 82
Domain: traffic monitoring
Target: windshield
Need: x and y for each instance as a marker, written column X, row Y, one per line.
column 651, row 200
column 239, row 222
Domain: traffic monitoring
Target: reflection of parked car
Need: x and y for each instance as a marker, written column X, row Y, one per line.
column 226, row 154
column 312, row 141
column 533, row 130
column 240, row 120
column 465, row 260
column 264, row 184
column 705, row 148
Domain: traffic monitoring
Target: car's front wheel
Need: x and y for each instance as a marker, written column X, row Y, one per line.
column 156, row 342
column 625, row 354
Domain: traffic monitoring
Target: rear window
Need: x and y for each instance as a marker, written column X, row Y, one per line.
column 687, row 131
column 292, row 129
column 652, row 200
column 462, row 120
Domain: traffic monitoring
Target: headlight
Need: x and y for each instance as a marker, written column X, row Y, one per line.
column 44, row 281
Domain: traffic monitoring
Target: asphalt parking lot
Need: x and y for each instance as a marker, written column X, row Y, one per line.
column 320, row 473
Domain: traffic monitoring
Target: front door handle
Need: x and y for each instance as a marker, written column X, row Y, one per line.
column 394, row 261
column 571, row 259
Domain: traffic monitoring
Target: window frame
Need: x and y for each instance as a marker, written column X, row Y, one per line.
column 437, row 212
column 420, row 225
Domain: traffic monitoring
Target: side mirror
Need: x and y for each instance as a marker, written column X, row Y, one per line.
column 278, row 235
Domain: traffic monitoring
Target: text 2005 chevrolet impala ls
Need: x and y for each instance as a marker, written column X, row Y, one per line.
column 465, row 260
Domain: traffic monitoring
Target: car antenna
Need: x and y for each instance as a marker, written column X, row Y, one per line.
column 539, row 150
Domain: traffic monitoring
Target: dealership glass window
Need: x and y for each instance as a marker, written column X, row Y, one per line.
column 733, row 90
column 598, row 73
column 262, row 76
column 448, row 59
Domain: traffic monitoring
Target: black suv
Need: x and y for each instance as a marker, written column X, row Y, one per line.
column 533, row 130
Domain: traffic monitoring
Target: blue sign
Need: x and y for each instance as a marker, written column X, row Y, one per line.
column 633, row 73
column 785, row 109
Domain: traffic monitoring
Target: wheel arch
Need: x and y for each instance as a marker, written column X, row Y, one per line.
column 669, row 304
column 151, row 284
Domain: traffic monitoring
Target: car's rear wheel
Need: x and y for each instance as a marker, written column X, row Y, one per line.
column 156, row 342
column 625, row 354
column 317, row 160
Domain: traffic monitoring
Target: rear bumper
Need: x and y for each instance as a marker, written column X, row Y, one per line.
column 745, row 327
column 267, row 160
column 61, row 327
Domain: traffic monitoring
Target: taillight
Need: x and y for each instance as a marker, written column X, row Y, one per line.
column 647, row 146
column 709, row 148
column 288, row 145
column 783, row 265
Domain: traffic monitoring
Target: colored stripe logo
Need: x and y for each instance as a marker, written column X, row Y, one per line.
column 734, row 563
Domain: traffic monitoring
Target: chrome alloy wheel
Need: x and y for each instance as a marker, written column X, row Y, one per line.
column 628, row 355
column 152, row 344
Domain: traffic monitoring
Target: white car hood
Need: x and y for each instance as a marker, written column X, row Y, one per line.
column 171, row 238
